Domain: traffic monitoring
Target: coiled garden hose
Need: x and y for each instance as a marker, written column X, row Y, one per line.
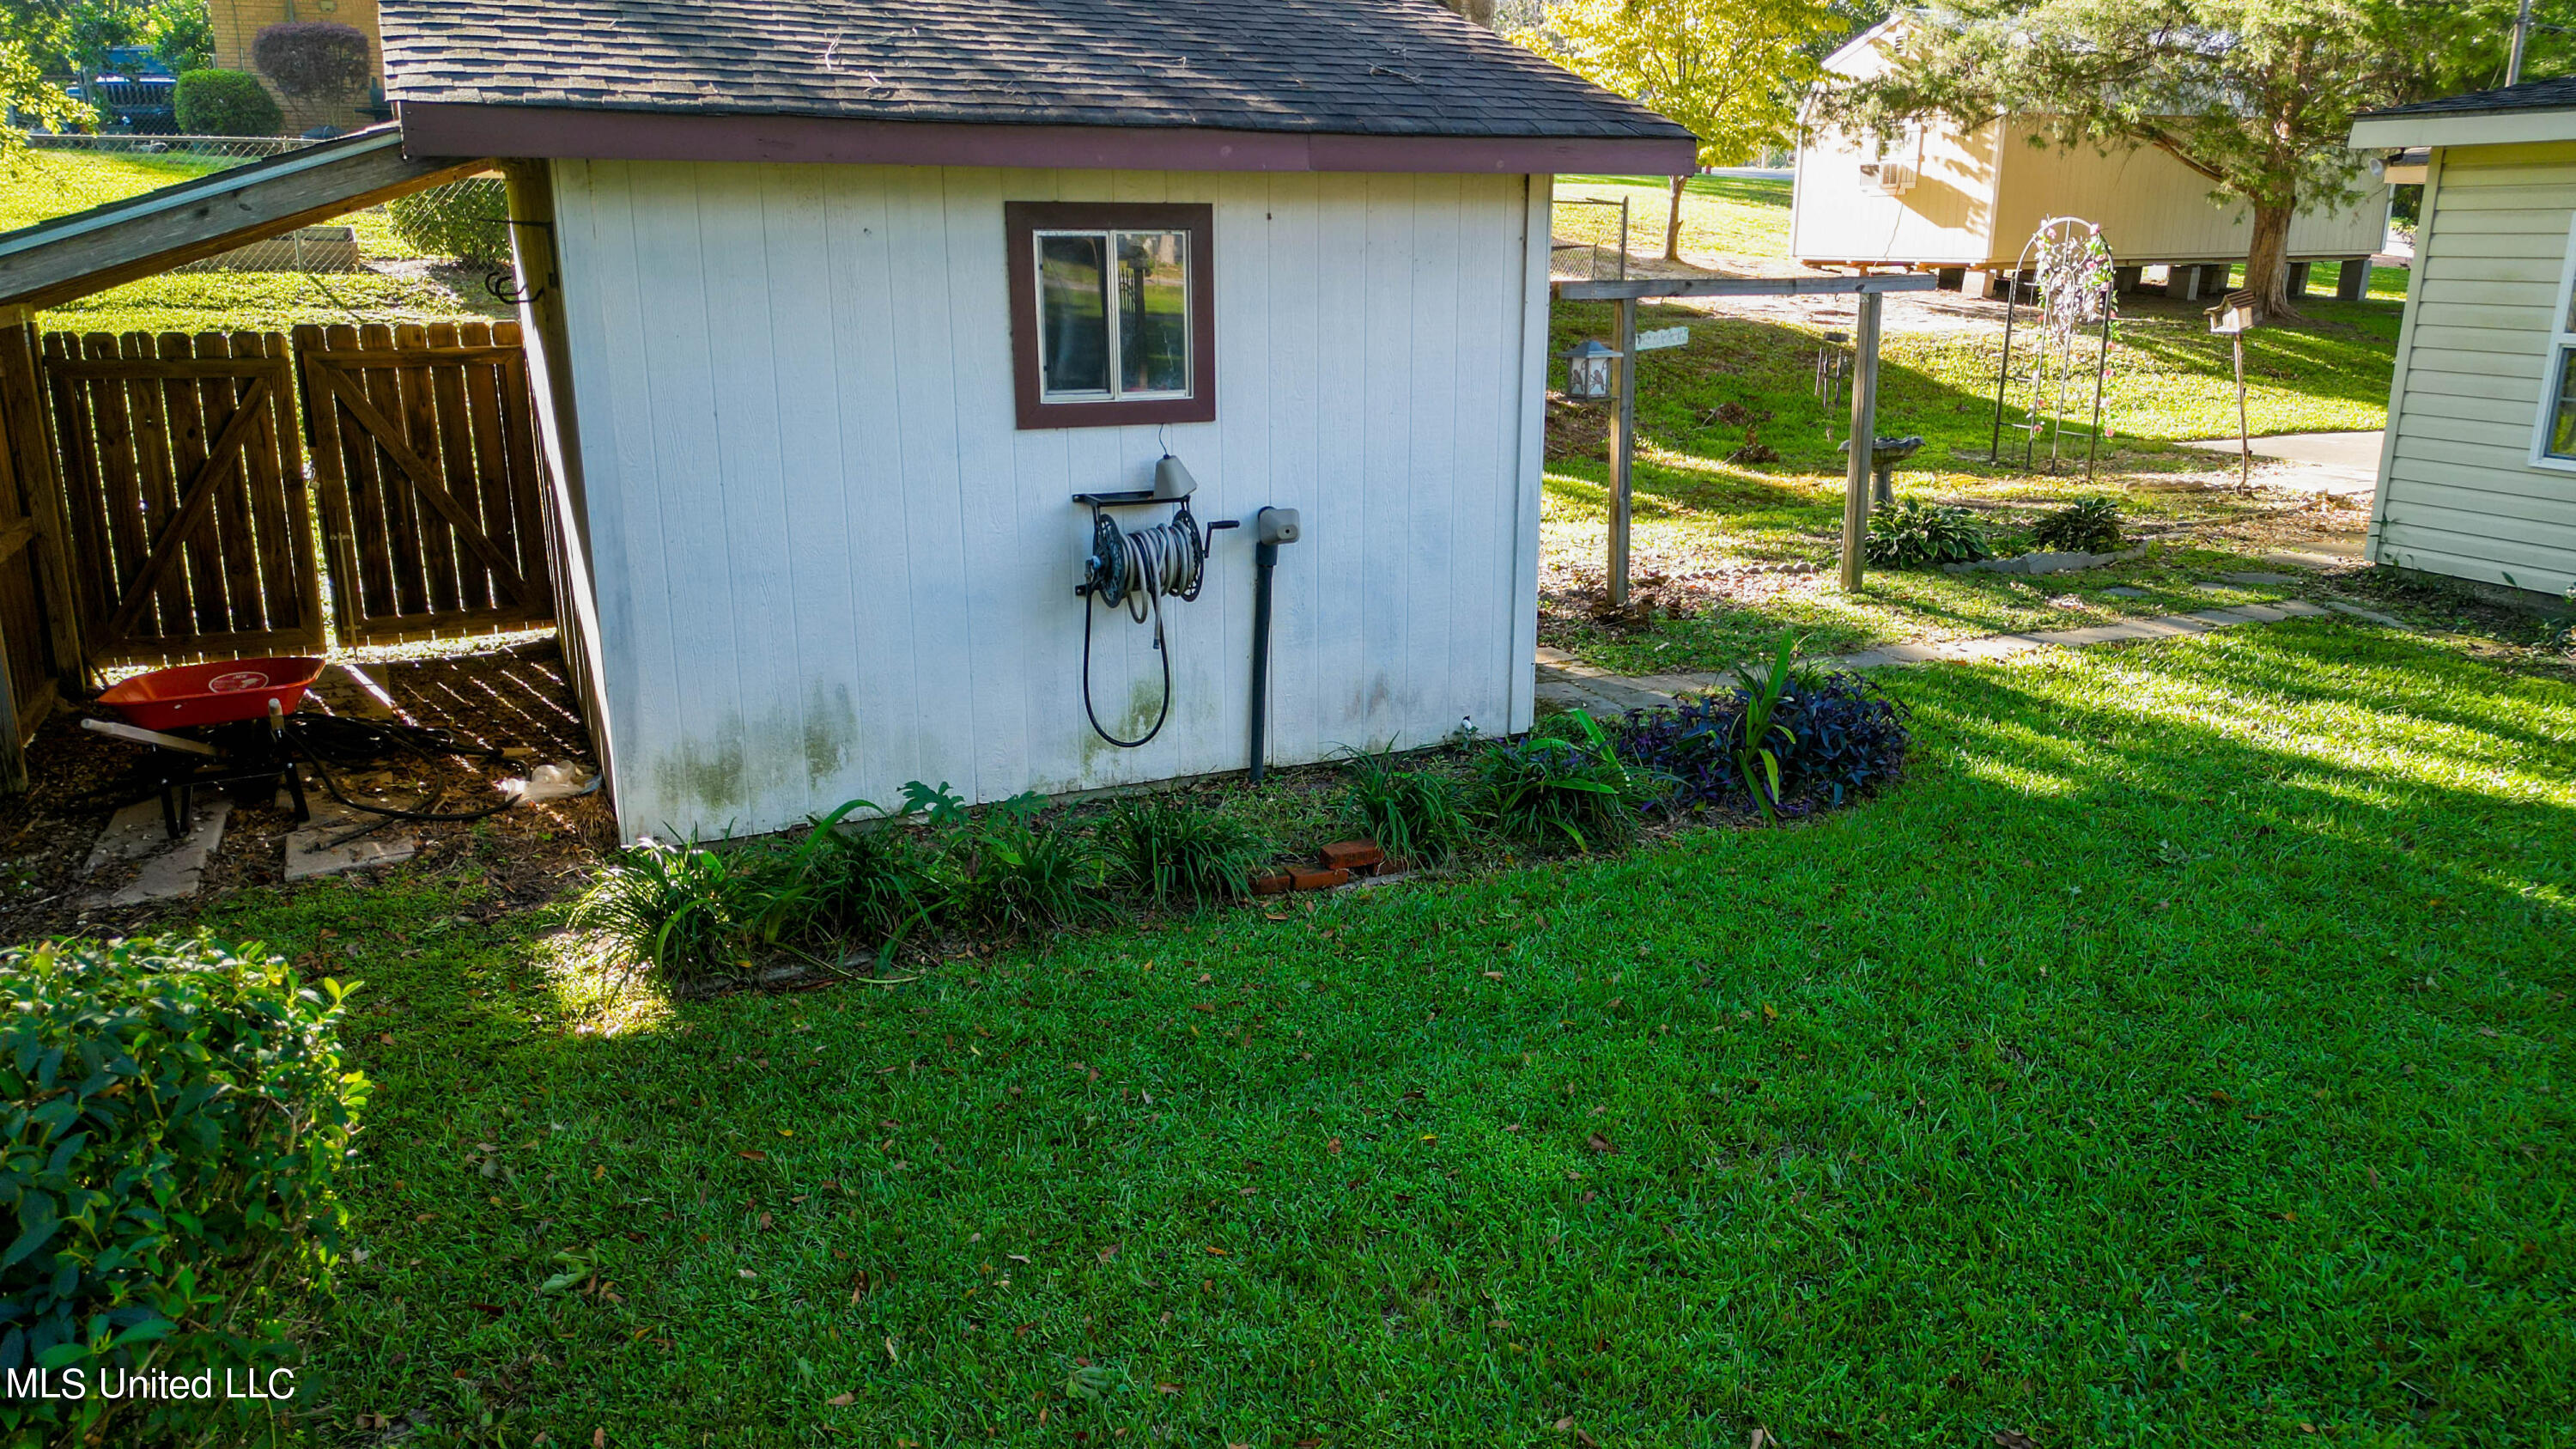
column 1139, row 569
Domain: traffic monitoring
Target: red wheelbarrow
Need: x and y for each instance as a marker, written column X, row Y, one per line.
column 229, row 692
column 225, row 692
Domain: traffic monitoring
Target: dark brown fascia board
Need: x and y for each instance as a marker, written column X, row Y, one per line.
column 566, row 133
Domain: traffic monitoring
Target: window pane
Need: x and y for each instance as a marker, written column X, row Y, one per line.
column 2562, row 407
column 1153, row 312
column 1073, row 315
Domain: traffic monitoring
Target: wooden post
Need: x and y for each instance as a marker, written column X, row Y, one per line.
column 2244, row 431
column 1623, row 451
column 1864, row 438
column 40, row 492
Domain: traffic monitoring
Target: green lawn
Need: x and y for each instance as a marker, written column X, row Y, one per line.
column 2180, row 1056
column 1735, row 216
column 1693, row 508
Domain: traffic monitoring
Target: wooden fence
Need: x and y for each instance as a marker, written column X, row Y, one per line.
column 425, row 450
column 154, row 499
column 183, row 478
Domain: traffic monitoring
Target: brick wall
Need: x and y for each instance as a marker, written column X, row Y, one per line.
column 239, row 22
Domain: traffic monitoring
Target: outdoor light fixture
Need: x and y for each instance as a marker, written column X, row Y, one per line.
column 1587, row 371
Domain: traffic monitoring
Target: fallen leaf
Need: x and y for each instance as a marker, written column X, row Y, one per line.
column 1216, row 1252
column 1167, row 1388
column 1109, row 1252
column 1334, row 1146
column 755, row 1155
column 842, row 1401
column 1016, row 1257
column 765, row 1220
column 1770, row 1013
column 599, row 1439
column 2014, row 1439
column 1599, row 1143
column 1493, row 976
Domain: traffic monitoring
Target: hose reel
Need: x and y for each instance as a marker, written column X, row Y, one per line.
column 1138, row 569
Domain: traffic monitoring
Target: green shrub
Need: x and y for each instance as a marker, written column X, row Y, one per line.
column 1413, row 815
column 1013, row 867
column 226, row 103
column 1183, row 855
column 176, row 1112
column 468, row 220
column 868, row 882
column 691, row 914
column 314, row 58
column 1548, row 788
column 1914, row 534
column 2088, row 525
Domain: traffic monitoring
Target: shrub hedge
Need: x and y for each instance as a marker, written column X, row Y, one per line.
column 175, row 1114
column 226, row 103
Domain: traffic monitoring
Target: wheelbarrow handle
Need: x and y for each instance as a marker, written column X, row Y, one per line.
column 143, row 736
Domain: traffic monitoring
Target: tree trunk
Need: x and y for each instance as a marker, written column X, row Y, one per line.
column 1673, row 222
column 2267, row 263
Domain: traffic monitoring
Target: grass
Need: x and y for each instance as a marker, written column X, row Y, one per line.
column 1694, row 508
column 51, row 184
column 2186, row 1044
column 1736, row 216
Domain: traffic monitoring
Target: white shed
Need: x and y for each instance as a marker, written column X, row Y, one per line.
column 832, row 339
column 1943, row 197
column 2477, row 477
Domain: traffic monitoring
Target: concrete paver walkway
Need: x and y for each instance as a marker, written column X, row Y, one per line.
column 2337, row 463
column 1569, row 683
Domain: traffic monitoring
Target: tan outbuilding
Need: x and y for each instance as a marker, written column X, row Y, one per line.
column 1937, row 196
column 2477, row 477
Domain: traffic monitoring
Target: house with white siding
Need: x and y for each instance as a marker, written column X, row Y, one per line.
column 842, row 308
column 2477, row 477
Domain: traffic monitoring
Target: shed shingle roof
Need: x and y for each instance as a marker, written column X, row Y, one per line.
column 2541, row 95
column 1325, row 67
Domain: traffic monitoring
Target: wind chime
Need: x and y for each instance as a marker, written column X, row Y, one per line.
column 2075, row 289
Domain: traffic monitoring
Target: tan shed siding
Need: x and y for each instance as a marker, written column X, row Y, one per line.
column 1946, row 216
column 2460, row 495
column 2154, row 208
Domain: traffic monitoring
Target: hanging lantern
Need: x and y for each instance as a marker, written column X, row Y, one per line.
column 1588, row 372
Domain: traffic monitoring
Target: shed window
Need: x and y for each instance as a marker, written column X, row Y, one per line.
column 1110, row 314
column 2553, row 436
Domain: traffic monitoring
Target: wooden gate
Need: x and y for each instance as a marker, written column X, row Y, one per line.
column 425, row 448
column 184, row 484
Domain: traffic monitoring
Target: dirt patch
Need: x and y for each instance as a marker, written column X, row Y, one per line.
column 514, row 695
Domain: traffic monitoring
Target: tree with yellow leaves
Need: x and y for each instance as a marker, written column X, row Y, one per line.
column 1730, row 70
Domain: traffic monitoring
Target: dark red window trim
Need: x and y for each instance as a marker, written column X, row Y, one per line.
column 1021, row 221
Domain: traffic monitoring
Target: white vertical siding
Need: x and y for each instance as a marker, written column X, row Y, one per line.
column 2457, row 492
column 829, row 563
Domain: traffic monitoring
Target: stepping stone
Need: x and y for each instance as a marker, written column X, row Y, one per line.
column 310, row 851
column 2301, row 559
column 2373, row 616
column 2258, row 579
column 2123, row 591
column 171, row 869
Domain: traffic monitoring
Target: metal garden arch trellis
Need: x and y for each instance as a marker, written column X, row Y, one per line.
column 2076, row 279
